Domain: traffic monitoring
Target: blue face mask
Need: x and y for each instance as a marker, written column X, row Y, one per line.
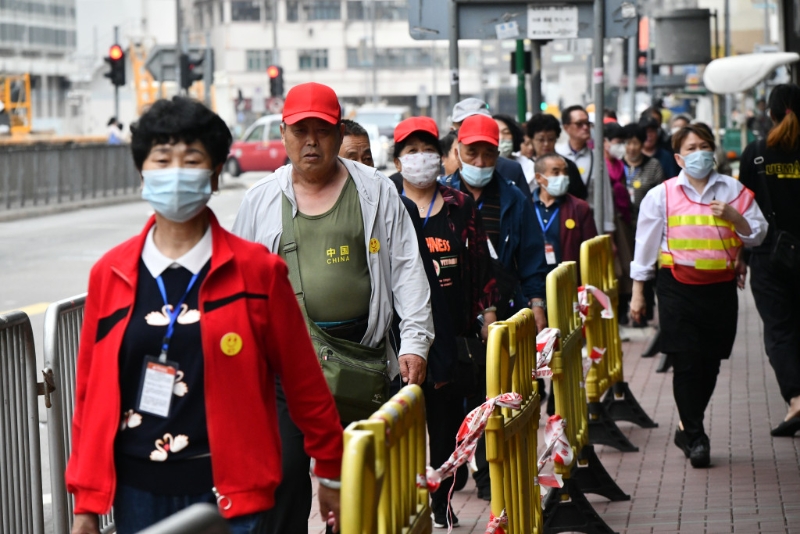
column 698, row 164
column 177, row 193
column 476, row 176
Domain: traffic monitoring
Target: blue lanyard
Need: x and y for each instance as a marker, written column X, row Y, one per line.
column 173, row 315
column 628, row 174
column 430, row 208
column 550, row 223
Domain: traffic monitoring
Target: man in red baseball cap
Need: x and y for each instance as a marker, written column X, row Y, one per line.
column 351, row 250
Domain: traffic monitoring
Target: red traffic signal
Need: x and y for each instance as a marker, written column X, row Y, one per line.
column 273, row 71
column 115, row 52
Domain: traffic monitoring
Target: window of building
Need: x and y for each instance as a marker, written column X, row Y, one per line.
column 258, row 60
column 314, row 59
column 245, row 11
column 395, row 58
column 292, row 10
column 324, row 10
column 384, row 10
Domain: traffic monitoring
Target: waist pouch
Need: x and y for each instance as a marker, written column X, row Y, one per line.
column 357, row 375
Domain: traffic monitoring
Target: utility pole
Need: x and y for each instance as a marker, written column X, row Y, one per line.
column 116, row 87
column 598, row 78
column 275, row 52
column 522, row 100
column 650, row 90
column 178, row 48
column 536, row 76
column 434, row 93
column 375, row 98
column 455, row 95
column 728, row 100
column 208, row 71
column 633, row 57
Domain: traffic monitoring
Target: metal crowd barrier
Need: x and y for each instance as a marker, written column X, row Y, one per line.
column 397, row 432
column 62, row 330
column 21, row 509
column 196, row 519
column 606, row 377
column 48, row 173
column 567, row 509
column 511, row 441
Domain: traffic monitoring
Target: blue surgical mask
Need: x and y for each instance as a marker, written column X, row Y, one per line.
column 476, row 176
column 557, row 185
column 698, row 164
column 177, row 193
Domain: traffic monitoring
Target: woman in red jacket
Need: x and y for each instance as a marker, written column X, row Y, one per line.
column 185, row 331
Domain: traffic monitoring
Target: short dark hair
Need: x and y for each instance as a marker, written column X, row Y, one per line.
column 353, row 128
column 180, row 119
column 446, row 142
column 633, row 130
column 567, row 113
column 516, row 129
column 700, row 129
column 538, row 166
column 612, row 130
column 542, row 122
column 649, row 123
column 610, row 113
column 649, row 113
column 425, row 137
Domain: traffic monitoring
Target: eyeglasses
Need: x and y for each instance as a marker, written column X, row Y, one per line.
column 582, row 124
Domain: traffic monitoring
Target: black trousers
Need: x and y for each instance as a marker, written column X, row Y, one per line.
column 693, row 381
column 777, row 293
column 444, row 412
column 481, row 476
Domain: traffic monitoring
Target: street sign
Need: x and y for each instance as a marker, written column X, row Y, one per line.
column 552, row 22
column 479, row 19
column 162, row 61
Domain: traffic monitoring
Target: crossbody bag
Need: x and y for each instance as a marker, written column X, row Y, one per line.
column 357, row 375
column 785, row 253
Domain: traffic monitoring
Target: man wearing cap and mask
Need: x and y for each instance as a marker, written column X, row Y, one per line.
column 352, row 254
column 507, row 168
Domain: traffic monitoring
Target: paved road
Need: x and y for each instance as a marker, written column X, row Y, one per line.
column 48, row 258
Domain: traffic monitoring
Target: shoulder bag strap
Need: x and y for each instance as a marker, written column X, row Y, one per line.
column 290, row 252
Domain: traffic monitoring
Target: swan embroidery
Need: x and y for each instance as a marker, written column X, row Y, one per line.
column 130, row 419
column 167, row 445
column 180, row 388
column 161, row 318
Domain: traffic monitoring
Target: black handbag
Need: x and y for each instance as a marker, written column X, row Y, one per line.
column 785, row 253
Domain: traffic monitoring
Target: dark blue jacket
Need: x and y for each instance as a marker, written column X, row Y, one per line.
column 512, row 171
column 521, row 250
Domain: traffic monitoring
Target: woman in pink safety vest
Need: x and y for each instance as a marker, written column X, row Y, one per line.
column 692, row 227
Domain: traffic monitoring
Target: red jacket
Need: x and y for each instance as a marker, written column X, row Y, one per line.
column 246, row 292
column 583, row 227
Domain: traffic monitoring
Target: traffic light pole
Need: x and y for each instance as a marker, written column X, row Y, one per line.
column 116, row 87
column 599, row 88
column 536, row 77
column 178, row 47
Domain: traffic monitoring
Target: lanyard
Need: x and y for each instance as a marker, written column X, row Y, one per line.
column 430, row 208
column 173, row 315
column 628, row 174
column 550, row 223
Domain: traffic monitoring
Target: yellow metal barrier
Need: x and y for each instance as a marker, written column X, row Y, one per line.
column 567, row 509
column 511, row 443
column 397, row 505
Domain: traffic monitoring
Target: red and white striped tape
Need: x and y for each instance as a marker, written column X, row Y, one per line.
column 583, row 302
column 496, row 524
column 545, row 347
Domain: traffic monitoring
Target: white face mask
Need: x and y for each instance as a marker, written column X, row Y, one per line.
column 421, row 169
column 557, row 185
column 506, row 146
column 617, row 150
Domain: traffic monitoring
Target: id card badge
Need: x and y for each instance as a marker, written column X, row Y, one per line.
column 155, row 391
column 549, row 254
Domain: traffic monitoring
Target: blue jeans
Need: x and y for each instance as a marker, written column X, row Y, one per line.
column 135, row 510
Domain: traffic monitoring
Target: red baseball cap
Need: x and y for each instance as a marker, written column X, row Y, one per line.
column 309, row 100
column 415, row 124
column 477, row 128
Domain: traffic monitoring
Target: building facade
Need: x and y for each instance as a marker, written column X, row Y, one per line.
column 38, row 37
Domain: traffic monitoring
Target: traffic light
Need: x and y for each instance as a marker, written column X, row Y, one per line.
column 191, row 70
column 116, row 59
column 275, row 74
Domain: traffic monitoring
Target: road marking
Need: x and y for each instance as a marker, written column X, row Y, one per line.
column 33, row 309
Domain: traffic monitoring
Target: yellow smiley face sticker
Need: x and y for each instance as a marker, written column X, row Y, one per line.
column 569, row 223
column 231, row 344
column 374, row 246
column 637, row 184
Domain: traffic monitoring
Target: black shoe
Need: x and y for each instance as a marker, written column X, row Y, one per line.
column 440, row 515
column 682, row 441
column 701, row 453
column 787, row 429
column 485, row 493
column 462, row 475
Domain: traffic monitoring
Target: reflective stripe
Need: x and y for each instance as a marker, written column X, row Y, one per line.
column 703, row 244
column 666, row 260
column 698, row 220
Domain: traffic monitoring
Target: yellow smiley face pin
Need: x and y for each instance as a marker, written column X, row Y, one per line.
column 374, row 246
column 231, row 344
column 637, row 184
column 570, row 224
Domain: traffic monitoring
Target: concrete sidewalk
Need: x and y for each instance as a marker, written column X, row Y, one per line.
column 753, row 485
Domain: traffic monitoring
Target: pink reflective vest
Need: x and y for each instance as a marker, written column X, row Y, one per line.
column 702, row 248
